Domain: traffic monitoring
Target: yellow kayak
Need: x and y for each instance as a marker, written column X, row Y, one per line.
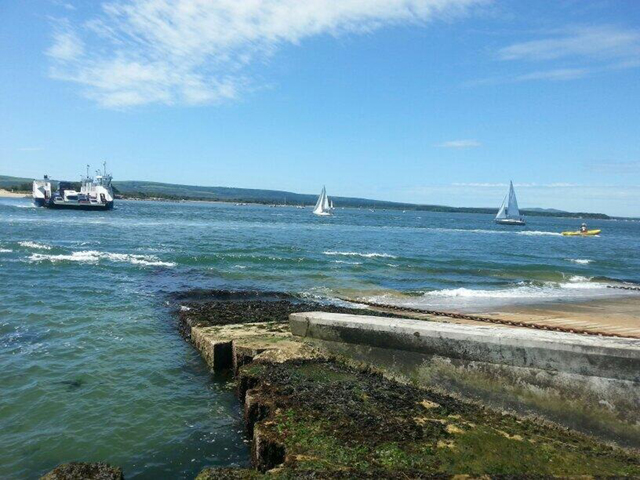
column 582, row 234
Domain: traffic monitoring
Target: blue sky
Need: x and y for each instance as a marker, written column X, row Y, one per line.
column 428, row 101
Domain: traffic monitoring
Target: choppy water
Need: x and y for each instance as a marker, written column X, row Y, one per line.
column 93, row 368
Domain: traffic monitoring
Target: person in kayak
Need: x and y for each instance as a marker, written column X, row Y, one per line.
column 583, row 228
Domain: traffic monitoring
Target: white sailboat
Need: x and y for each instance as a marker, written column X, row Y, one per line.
column 509, row 214
column 322, row 205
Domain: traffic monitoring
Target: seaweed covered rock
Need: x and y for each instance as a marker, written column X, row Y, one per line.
column 228, row 474
column 322, row 419
column 205, row 308
column 84, row 471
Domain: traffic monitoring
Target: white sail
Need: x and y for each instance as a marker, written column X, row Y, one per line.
column 509, row 212
column 502, row 213
column 512, row 209
column 325, row 203
column 322, row 205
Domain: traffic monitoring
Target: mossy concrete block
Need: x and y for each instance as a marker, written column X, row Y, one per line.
column 607, row 357
column 586, row 383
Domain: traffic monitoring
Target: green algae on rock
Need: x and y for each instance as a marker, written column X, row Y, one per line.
column 84, row 471
column 323, row 418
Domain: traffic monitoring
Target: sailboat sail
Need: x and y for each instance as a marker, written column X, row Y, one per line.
column 502, row 213
column 322, row 205
column 512, row 209
column 509, row 212
column 325, row 202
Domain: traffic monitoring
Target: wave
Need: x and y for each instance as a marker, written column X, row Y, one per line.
column 581, row 261
column 358, row 254
column 93, row 256
column 5, row 250
column 37, row 246
column 347, row 263
column 573, row 288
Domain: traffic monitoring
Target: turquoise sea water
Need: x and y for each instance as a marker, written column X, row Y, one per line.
column 91, row 363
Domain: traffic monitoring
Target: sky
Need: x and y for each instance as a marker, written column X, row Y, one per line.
column 424, row 101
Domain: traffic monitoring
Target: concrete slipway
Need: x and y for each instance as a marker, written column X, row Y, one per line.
column 588, row 383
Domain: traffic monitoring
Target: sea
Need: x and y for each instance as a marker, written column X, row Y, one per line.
column 92, row 365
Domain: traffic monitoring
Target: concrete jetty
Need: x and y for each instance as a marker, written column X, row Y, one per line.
column 588, row 383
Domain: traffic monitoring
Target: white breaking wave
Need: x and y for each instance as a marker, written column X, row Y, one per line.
column 575, row 287
column 581, row 261
column 347, row 263
column 37, row 246
column 358, row 254
column 5, row 250
column 92, row 256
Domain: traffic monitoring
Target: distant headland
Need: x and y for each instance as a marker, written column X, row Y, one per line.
column 142, row 190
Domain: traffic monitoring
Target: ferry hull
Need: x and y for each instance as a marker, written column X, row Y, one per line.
column 79, row 206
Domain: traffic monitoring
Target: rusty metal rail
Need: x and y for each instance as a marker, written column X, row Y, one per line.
column 620, row 287
column 478, row 318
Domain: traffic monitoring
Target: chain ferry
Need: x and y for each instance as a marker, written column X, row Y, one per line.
column 95, row 193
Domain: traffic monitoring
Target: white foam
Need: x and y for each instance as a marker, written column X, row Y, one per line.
column 37, row 246
column 573, row 288
column 581, row 261
column 5, row 250
column 93, row 256
column 358, row 254
column 537, row 233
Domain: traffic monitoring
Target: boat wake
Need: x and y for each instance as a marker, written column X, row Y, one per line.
column 93, row 256
column 580, row 261
column 537, row 233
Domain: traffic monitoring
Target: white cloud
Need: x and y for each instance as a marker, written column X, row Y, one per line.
column 66, row 47
column 599, row 42
column 573, row 53
column 460, row 144
column 554, row 74
column 198, row 52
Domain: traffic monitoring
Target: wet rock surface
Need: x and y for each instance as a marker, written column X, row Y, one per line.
column 338, row 422
column 224, row 307
column 84, row 471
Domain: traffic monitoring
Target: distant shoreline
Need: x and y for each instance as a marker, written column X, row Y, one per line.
column 8, row 194
column 156, row 191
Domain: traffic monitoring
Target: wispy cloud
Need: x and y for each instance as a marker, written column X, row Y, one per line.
column 66, row 46
column 460, row 144
column 571, row 53
column 30, row 149
column 197, row 52
column 519, row 185
column 596, row 42
column 615, row 168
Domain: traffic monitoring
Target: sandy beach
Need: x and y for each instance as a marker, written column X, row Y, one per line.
column 7, row 194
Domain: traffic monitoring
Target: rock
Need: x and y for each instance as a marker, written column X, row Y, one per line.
column 84, row 471
column 227, row 474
